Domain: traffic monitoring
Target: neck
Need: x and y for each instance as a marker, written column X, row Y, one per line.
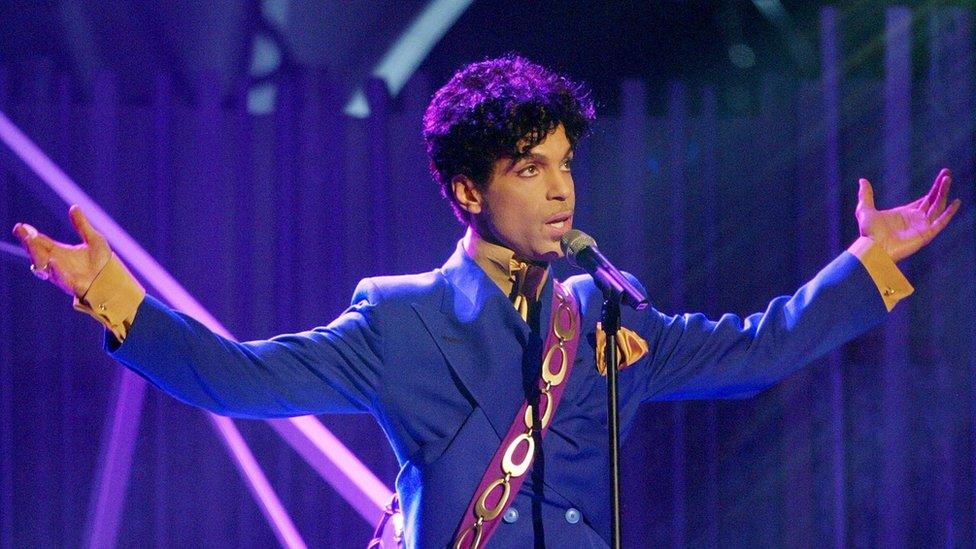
column 494, row 259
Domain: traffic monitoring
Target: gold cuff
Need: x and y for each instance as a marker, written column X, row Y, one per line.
column 112, row 298
column 891, row 283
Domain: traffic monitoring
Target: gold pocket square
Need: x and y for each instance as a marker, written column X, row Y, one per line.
column 630, row 348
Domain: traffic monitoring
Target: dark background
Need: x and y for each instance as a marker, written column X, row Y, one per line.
column 731, row 182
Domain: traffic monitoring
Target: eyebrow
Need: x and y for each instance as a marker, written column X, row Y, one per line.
column 536, row 157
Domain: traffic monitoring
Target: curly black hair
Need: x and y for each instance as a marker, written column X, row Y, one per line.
column 498, row 108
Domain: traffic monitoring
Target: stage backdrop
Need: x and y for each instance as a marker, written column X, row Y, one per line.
column 271, row 220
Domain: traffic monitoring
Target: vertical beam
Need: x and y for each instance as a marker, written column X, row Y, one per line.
column 61, row 146
column 938, row 128
column 286, row 218
column 626, row 176
column 633, row 174
column 895, row 190
column 162, row 222
column 6, row 359
column 709, row 133
column 332, row 132
column 320, row 129
column 378, row 146
column 801, row 250
column 122, row 425
column 35, row 112
column 830, row 83
column 949, row 129
column 677, row 150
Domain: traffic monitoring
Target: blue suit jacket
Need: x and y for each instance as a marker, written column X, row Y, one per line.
column 441, row 359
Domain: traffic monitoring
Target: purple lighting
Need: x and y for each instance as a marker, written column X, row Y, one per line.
column 115, row 462
column 307, row 435
column 260, row 488
column 334, row 462
column 13, row 250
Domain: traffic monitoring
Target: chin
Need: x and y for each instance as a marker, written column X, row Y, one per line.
column 550, row 255
column 545, row 250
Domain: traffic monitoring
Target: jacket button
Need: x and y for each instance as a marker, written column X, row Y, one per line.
column 572, row 515
column 511, row 515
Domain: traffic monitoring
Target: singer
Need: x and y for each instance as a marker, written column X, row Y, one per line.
column 468, row 367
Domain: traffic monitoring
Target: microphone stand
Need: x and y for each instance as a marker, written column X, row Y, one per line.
column 581, row 250
column 610, row 321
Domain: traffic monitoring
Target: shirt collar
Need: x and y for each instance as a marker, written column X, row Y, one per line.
column 496, row 261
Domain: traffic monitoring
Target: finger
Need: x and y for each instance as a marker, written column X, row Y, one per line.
column 84, row 228
column 944, row 185
column 932, row 195
column 939, row 203
column 23, row 231
column 38, row 245
column 926, row 200
column 865, row 194
column 944, row 219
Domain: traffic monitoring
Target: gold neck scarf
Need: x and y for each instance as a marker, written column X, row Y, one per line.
column 521, row 281
column 527, row 280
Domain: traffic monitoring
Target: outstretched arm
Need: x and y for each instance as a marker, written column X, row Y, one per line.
column 331, row 368
column 693, row 357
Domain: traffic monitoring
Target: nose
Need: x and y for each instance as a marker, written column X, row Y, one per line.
column 560, row 186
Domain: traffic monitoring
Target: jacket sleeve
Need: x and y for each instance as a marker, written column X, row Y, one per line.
column 334, row 368
column 734, row 357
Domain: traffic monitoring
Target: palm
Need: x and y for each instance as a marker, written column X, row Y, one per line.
column 901, row 231
column 70, row 267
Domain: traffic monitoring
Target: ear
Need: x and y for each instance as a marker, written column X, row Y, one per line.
column 467, row 195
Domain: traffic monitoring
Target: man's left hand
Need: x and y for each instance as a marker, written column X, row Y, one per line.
column 903, row 230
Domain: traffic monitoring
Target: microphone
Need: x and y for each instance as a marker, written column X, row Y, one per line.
column 581, row 251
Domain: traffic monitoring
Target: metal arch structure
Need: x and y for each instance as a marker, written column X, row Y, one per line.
column 313, row 441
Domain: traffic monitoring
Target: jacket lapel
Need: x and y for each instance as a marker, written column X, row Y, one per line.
column 483, row 339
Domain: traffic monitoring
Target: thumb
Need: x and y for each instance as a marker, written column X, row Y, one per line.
column 84, row 228
column 865, row 194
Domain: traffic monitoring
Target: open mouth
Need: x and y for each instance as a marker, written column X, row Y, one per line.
column 560, row 220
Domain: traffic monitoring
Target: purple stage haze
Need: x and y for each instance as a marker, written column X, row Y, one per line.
column 722, row 195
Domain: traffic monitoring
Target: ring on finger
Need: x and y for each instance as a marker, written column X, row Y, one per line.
column 40, row 272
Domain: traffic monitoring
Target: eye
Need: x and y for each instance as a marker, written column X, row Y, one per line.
column 567, row 165
column 528, row 171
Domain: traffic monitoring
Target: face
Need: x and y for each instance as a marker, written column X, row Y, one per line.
column 528, row 205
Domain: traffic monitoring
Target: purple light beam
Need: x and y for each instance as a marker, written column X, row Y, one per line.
column 13, row 250
column 115, row 462
column 320, row 449
column 116, row 459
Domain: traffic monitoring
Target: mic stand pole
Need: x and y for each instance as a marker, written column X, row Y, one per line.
column 610, row 321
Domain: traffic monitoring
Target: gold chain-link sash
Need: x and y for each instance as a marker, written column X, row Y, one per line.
column 513, row 459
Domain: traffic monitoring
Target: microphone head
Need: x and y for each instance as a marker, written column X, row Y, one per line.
column 573, row 242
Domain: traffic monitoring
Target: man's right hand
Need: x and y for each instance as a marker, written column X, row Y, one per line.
column 71, row 268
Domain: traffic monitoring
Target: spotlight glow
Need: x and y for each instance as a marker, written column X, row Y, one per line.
column 411, row 48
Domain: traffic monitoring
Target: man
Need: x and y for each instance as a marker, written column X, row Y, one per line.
column 446, row 360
